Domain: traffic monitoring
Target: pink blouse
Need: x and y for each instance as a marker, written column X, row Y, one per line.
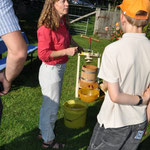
column 49, row 40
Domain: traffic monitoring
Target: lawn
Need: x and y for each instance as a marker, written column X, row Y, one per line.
column 19, row 128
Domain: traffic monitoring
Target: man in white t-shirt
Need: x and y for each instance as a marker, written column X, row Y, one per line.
column 125, row 70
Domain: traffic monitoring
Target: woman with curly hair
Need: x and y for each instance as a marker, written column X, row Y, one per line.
column 53, row 50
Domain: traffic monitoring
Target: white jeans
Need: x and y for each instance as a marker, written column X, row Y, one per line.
column 50, row 78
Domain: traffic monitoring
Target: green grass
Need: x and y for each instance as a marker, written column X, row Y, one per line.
column 19, row 128
column 82, row 25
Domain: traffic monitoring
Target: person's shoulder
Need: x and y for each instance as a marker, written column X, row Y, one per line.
column 43, row 29
column 44, row 33
column 114, row 46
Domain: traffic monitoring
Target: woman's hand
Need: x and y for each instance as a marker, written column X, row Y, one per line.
column 71, row 51
column 80, row 49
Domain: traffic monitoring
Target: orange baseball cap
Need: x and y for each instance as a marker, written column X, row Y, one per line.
column 131, row 7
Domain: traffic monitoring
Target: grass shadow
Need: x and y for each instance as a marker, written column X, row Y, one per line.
column 145, row 145
column 74, row 139
column 29, row 75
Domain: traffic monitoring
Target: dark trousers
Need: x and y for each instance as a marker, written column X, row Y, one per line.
column 1, row 109
column 124, row 138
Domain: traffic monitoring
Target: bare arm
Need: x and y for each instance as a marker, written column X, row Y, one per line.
column 71, row 51
column 121, row 98
column 17, row 53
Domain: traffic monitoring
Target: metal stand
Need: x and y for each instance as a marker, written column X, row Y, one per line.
column 88, row 58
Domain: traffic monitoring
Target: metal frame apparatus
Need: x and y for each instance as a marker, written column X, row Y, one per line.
column 89, row 55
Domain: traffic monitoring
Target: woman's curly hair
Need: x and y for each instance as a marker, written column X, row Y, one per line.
column 49, row 16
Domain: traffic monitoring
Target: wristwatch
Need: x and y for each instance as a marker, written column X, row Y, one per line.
column 140, row 100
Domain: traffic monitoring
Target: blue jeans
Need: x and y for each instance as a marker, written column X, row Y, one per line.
column 1, row 109
column 124, row 138
column 50, row 78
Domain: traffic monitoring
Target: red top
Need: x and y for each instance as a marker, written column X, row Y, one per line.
column 49, row 40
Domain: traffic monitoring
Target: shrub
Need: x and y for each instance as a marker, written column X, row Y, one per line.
column 147, row 30
column 114, row 32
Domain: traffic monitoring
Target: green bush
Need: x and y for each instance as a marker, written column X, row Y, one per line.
column 147, row 30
